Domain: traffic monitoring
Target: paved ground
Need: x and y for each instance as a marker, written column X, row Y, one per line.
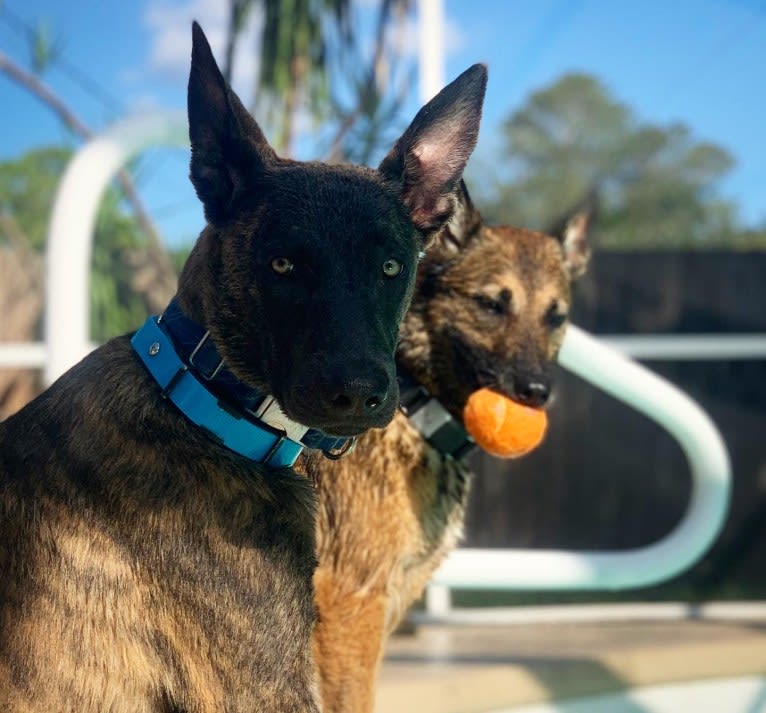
column 474, row 669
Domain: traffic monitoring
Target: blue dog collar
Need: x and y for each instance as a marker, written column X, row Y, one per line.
column 263, row 434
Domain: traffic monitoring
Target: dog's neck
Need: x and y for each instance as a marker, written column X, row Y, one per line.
column 183, row 359
column 196, row 275
column 413, row 352
column 419, row 399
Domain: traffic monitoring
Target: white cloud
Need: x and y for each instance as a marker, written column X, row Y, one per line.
column 170, row 31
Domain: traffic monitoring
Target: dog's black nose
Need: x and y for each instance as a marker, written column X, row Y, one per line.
column 532, row 393
column 359, row 395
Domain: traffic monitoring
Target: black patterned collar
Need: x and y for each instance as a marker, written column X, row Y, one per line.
column 439, row 428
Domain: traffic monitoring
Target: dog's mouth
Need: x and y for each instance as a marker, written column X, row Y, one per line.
column 526, row 392
column 342, row 403
column 485, row 378
column 514, row 387
column 333, row 424
column 341, row 430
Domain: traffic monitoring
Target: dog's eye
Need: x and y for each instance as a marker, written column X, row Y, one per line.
column 392, row 267
column 555, row 319
column 491, row 305
column 282, row 265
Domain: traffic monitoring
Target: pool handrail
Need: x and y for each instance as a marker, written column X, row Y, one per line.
column 701, row 442
column 72, row 224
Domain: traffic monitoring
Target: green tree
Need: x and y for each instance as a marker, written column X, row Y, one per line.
column 366, row 122
column 655, row 185
column 27, row 187
column 293, row 50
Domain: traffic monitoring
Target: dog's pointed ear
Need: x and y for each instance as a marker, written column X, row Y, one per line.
column 228, row 146
column 574, row 243
column 573, row 229
column 427, row 161
column 463, row 225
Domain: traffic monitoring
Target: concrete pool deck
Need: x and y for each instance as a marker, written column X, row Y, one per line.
column 474, row 669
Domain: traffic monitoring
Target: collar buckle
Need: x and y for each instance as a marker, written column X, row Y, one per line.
column 437, row 426
column 207, row 375
column 342, row 452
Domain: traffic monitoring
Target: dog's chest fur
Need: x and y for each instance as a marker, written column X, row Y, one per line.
column 412, row 509
column 149, row 554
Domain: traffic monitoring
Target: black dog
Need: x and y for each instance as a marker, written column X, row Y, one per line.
column 154, row 560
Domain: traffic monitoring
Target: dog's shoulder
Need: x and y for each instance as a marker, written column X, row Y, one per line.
column 105, row 431
column 115, row 507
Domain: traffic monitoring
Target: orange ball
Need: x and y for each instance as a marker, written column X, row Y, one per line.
column 501, row 426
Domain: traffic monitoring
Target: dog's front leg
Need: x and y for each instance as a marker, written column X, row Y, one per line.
column 348, row 646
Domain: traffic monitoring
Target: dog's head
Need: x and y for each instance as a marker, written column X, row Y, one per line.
column 491, row 308
column 305, row 270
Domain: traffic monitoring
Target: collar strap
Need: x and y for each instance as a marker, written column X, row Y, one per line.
column 262, row 433
column 193, row 344
column 432, row 420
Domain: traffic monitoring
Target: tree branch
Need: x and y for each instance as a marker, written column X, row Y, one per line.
column 33, row 85
column 373, row 74
column 164, row 279
column 238, row 11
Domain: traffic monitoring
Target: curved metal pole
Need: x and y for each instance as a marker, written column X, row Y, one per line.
column 708, row 459
column 70, row 234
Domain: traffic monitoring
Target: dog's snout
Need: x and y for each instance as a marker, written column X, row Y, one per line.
column 532, row 393
column 344, row 398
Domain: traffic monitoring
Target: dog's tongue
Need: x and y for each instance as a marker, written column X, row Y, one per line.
column 502, row 427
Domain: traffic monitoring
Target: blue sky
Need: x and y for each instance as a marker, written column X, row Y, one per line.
column 700, row 62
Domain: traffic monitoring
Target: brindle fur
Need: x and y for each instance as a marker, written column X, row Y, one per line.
column 146, row 568
column 484, row 314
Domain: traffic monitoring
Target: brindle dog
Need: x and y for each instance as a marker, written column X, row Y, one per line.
column 146, row 566
column 490, row 309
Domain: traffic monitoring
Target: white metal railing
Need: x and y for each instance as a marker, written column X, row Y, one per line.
column 647, row 347
column 70, row 235
column 606, row 369
column 67, row 340
column 689, row 347
column 25, row 355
